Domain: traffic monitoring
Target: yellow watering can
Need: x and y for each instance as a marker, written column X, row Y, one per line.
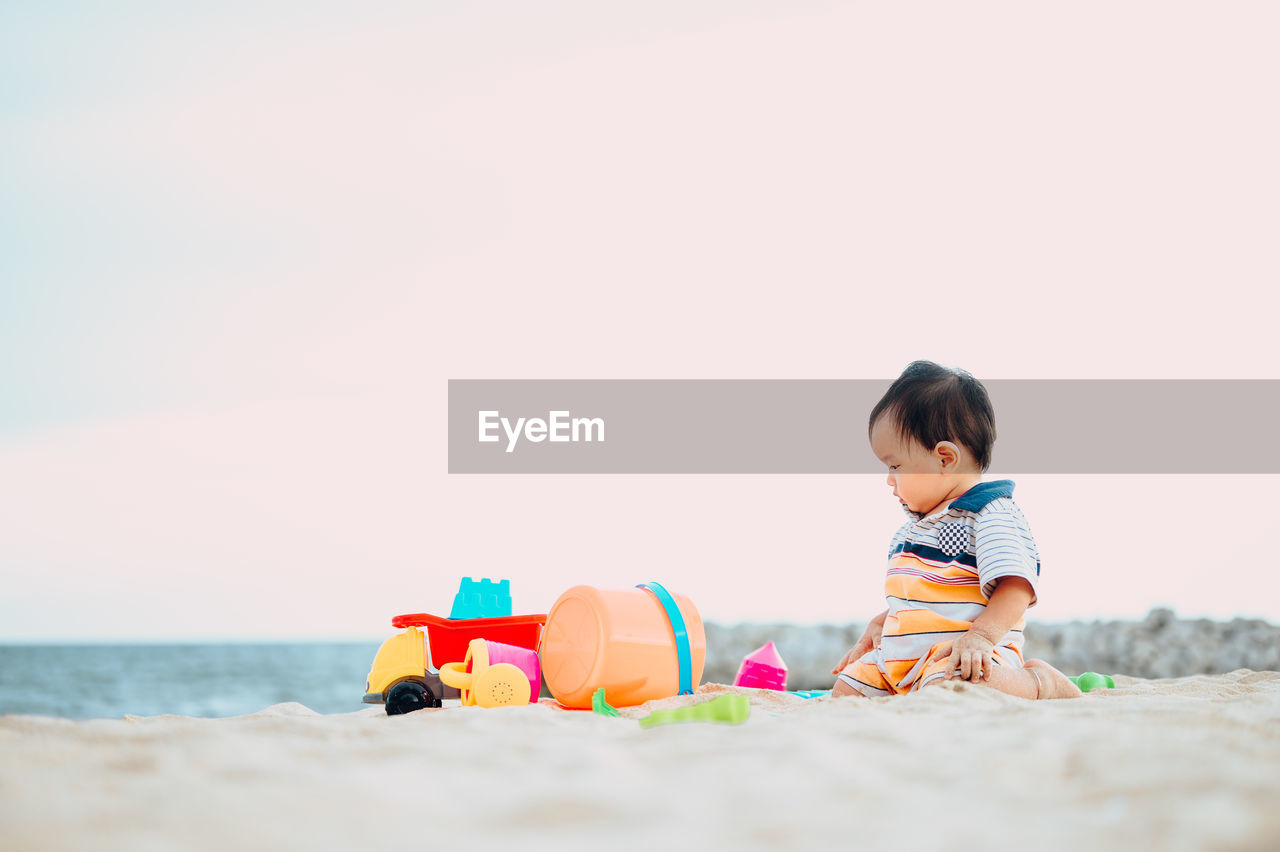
column 494, row 675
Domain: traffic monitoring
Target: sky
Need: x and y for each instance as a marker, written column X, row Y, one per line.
column 244, row 248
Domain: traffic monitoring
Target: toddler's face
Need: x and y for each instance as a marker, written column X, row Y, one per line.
column 915, row 474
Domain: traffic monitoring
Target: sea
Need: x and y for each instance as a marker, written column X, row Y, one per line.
column 208, row 680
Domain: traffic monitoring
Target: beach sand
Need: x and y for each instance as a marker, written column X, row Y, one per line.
column 1187, row 763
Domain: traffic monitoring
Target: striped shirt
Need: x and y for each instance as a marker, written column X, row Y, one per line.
column 943, row 569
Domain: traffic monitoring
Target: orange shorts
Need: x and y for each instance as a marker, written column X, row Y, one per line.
column 874, row 676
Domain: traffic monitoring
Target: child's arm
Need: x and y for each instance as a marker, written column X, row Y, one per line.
column 971, row 653
column 870, row 639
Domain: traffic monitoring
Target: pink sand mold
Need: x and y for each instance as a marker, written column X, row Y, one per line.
column 763, row 668
column 522, row 658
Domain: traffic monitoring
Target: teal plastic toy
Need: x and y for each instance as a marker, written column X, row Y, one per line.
column 599, row 705
column 1093, row 680
column 482, row 599
column 731, row 709
column 811, row 693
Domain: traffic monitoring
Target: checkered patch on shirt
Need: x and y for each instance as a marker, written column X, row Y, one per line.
column 953, row 537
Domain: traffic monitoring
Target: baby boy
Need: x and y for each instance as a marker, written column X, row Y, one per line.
column 964, row 569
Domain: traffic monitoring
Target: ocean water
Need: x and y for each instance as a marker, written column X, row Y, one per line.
column 197, row 679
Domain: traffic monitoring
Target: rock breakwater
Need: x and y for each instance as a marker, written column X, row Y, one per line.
column 1158, row 646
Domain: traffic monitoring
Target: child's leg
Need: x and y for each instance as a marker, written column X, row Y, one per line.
column 1021, row 682
column 1052, row 683
column 842, row 689
column 862, row 678
column 1037, row 679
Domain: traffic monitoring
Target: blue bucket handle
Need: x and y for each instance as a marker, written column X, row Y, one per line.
column 678, row 628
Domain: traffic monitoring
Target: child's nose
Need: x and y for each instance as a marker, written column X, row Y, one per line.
column 888, row 480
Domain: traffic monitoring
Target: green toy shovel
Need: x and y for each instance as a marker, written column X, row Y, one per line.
column 733, row 709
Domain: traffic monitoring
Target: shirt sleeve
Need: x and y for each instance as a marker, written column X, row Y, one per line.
column 1006, row 547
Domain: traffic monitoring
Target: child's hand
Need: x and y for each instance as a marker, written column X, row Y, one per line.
column 870, row 639
column 853, row 654
column 971, row 655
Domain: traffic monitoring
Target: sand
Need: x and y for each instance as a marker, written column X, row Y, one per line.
column 1189, row 763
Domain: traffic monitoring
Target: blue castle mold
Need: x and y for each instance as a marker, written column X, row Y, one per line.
column 482, row 599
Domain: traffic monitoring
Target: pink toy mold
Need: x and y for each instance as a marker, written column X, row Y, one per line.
column 763, row 669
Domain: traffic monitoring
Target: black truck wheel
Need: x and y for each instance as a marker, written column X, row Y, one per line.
column 407, row 696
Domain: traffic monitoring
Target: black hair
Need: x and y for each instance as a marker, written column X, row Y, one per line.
column 930, row 403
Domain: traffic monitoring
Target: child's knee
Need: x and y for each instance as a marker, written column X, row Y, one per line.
column 842, row 688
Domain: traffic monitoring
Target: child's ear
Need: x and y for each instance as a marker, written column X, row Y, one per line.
column 948, row 454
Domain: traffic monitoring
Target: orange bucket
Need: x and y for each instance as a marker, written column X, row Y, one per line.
column 638, row 644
